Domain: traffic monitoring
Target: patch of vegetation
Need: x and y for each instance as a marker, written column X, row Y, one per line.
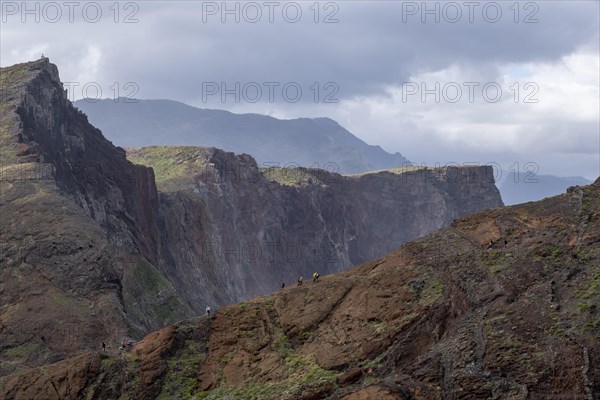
column 590, row 302
column 592, row 290
column 69, row 303
column 181, row 377
column 6, row 368
column 22, row 351
column 541, row 252
column 304, row 373
column 491, row 258
column 225, row 359
column 555, row 330
column 173, row 165
column 248, row 391
column 148, row 294
column 37, row 195
column 301, row 372
column 282, row 343
column 121, row 374
column 379, row 327
column 15, row 75
column 310, row 371
column 286, row 176
column 502, row 338
column 554, row 250
column 374, row 363
column 13, row 85
column 399, row 170
column 309, row 298
column 586, row 202
column 433, row 291
column 592, row 326
column 370, row 380
column 269, row 303
column 163, row 311
column 584, row 306
column 242, row 334
column 398, row 324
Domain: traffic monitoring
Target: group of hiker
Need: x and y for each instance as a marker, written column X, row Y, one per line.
column 125, row 344
column 301, row 279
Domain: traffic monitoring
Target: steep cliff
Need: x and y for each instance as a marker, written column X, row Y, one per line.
column 232, row 231
column 504, row 304
column 91, row 252
column 79, row 238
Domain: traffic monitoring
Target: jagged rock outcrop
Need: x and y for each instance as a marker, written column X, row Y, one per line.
column 91, row 252
column 462, row 313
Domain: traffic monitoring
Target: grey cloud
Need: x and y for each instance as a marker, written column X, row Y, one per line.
column 172, row 51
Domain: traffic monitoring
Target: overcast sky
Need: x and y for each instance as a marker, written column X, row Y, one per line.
column 506, row 82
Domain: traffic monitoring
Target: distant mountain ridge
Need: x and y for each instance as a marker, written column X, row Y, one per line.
column 308, row 142
column 522, row 188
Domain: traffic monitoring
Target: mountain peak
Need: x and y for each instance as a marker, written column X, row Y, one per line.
column 326, row 121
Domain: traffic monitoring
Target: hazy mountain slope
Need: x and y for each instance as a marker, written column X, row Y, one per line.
column 319, row 142
column 502, row 305
column 521, row 188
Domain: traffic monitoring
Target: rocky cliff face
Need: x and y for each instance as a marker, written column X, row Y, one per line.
column 78, row 228
column 87, row 166
column 90, row 251
column 503, row 304
column 232, row 231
